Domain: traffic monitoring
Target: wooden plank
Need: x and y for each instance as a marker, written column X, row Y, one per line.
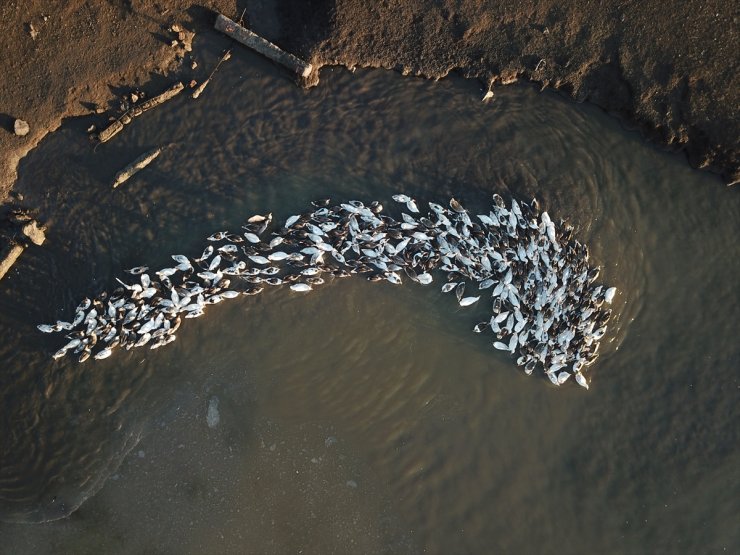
column 264, row 47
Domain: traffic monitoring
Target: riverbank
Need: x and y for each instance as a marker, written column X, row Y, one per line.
column 670, row 73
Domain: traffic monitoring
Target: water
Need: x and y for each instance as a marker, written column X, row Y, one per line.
column 366, row 417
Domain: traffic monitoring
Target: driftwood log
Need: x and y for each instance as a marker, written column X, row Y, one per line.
column 115, row 127
column 139, row 164
column 264, row 47
column 7, row 263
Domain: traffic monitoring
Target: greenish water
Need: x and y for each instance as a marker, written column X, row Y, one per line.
column 367, row 418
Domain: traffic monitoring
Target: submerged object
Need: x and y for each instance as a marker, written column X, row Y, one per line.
column 546, row 309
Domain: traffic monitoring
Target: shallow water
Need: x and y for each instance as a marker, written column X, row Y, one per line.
column 365, row 417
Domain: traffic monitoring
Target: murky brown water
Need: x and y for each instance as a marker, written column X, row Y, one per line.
column 363, row 417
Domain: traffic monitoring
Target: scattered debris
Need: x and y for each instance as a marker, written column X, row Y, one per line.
column 32, row 31
column 186, row 39
column 204, row 84
column 19, row 216
column 264, row 47
column 21, row 128
column 139, row 164
column 113, row 129
column 183, row 38
column 10, row 258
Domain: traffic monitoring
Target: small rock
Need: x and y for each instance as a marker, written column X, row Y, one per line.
column 194, row 65
column 99, row 109
column 193, row 84
column 141, row 454
column 351, row 484
column 32, row 31
column 91, row 129
column 175, row 28
column 174, row 43
column 134, row 98
column 21, row 128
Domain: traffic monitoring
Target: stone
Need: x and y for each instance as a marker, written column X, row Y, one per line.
column 34, row 233
column 21, row 128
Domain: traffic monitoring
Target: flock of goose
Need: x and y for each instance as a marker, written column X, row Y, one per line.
column 546, row 309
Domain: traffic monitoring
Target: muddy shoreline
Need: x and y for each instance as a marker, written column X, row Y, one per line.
column 670, row 73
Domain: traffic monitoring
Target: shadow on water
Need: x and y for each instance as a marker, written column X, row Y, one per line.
column 368, row 418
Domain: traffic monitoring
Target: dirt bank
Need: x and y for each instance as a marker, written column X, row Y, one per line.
column 672, row 72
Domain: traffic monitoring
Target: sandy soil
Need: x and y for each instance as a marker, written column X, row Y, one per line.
column 671, row 72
